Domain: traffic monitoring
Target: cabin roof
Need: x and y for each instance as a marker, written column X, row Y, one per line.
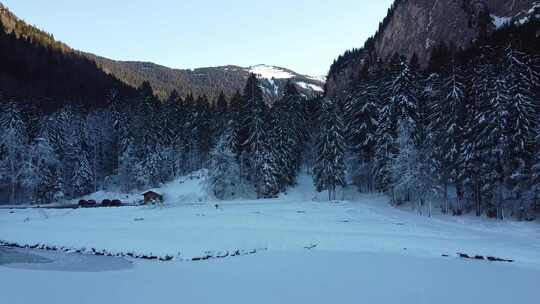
column 151, row 191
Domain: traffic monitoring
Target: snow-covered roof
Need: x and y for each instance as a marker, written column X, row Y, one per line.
column 151, row 191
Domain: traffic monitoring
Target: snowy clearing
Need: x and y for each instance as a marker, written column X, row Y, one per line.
column 189, row 226
column 315, row 251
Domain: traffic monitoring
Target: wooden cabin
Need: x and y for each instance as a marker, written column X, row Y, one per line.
column 152, row 197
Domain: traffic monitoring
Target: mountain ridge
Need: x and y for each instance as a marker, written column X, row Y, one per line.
column 209, row 81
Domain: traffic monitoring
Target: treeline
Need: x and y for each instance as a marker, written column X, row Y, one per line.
column 38, row 71
column 141, row 142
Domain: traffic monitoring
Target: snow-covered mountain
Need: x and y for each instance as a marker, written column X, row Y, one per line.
column 209, row 81
column 274, row 78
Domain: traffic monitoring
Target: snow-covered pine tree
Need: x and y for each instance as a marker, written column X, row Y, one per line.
column 282, row 144
column 130, row 171
column 224, row 180
column 255, row 122
column 413, row 167
column 83, row 177
column 480, row 76
column 329, row 169
column 522, row 120
column 494, row 122
column 399, row 103
column 361, row 109
column 269, row 179
column 203, row 135
column 384, row 149
column 155, row 167
column 14, row 156
column 297, row 121
column 172, row 123
column 221, row 114
column 45, row 178
column 288, row 135
column 448, row 124
column 189, row 133
column 67, row 131
column 99, row 134
column 312, row 109
column 235, row 123
column 535, row 174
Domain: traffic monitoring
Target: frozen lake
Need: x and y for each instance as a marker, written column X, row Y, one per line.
column 308, row 276
column 34, row 259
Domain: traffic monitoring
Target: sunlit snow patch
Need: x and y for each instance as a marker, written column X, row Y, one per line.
column 269, row 72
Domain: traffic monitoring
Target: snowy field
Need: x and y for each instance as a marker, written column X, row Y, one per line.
column 309, row 251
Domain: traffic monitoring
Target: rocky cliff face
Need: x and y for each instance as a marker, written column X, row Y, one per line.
column 417, row 26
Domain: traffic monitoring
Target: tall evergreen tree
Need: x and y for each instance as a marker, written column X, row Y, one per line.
column 413, row 168
column 288, row 135
column 329, row 170
column 255, row 124
column 522, row 120
column 361, row 109
column 400, row 104
column 14, row 158
column 224, row 180
column 448, row 124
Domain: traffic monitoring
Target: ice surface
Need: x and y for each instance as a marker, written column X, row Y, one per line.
column 34, row 259
column 283, row 277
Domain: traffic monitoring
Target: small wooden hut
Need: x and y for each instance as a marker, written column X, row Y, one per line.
column 152, row 197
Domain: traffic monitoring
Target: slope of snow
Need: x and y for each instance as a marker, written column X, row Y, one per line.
column 500, row 21
column 317, row 78
column 269, row 72
column 186, row 189
column 308, row 86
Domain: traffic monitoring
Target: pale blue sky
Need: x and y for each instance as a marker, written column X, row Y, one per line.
column 302, row 35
